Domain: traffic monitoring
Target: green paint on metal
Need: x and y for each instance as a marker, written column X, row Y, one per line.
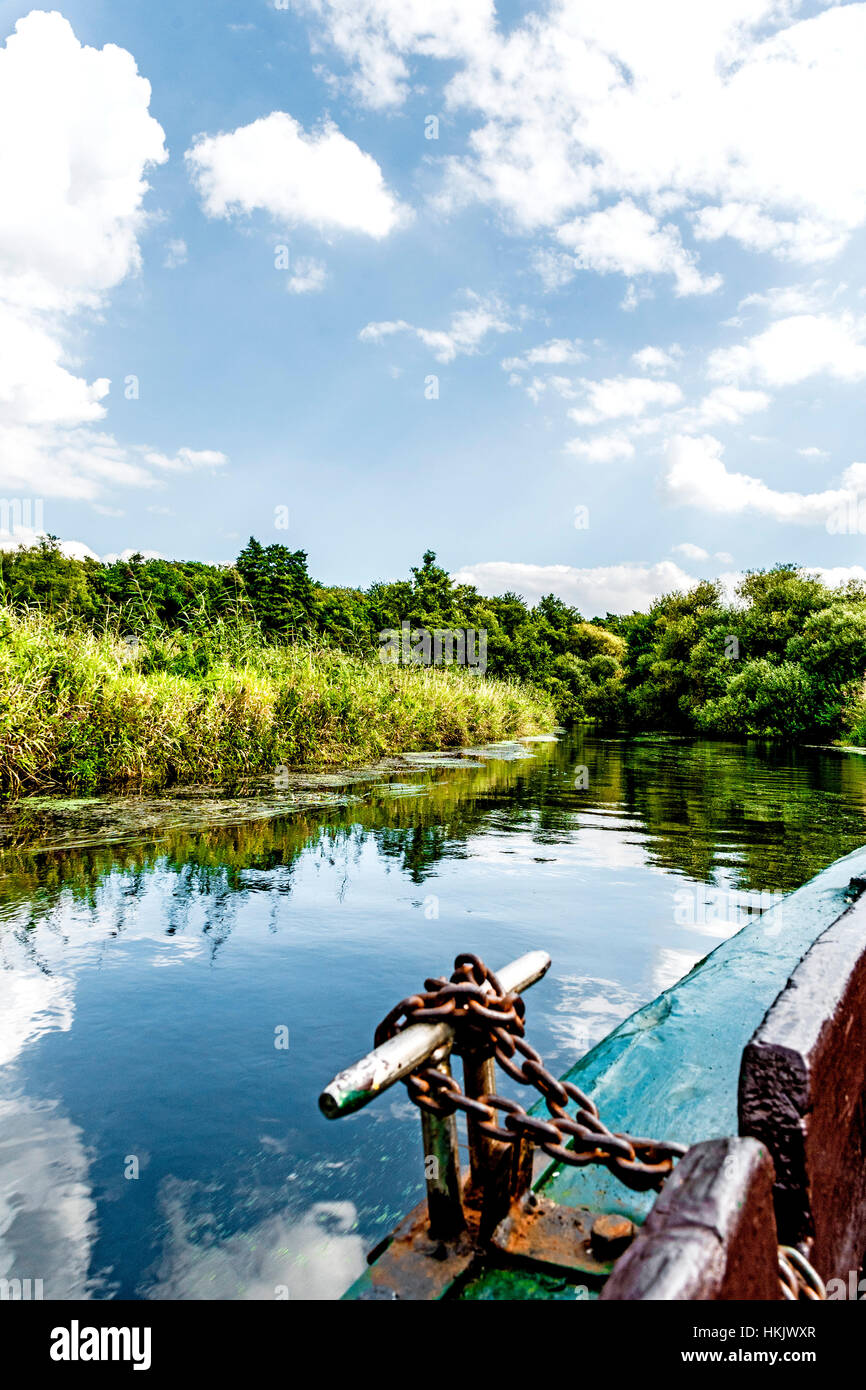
column 496, row 1285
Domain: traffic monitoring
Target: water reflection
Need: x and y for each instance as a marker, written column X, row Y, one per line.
column 142, row 983
column 313, row 1256
column 47, row 1211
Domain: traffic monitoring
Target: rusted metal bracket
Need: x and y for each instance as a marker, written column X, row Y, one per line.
column 570, row 1240
column 411, row 1263
column 535, row 1233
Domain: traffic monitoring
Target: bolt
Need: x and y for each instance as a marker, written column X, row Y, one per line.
column 611, row 1235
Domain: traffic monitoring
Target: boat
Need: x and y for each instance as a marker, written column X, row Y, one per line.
column 751, row 1074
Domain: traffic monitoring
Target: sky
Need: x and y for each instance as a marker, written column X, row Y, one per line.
column 571, row 293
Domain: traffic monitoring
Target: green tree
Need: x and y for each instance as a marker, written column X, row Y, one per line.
column 278, row 588
column 41, row 576
column 766, row 701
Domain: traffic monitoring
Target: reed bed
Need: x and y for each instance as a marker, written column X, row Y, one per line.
column 84, row 711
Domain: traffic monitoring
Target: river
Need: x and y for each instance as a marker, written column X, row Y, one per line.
column 176, row 987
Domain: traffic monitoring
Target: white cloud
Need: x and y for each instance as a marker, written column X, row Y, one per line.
column 854, row 477
column 697, row 477
column 557, row 352
column 603, row 448
column 373, row 36
column 813, row 453
column 780, row 301
column 77, row 463
column 595, row 591
column 837, row 575
column 35, row 387
column 308, row 276
column 538, row 385
column 655, row 359
column 723, row 405
column 73, row 181
column 375, row 332
column 807, row 239
column 187, row 460
column 323, row 179
column 22, row 537
column 625, row 239
column 690, row 551
column 745, row 110
column 176, row 253
column 553, row 268
column 615, row 397
column 634, row 296
column 78, row 140
column 795, row 348
column 113, row 556
column 463, row 336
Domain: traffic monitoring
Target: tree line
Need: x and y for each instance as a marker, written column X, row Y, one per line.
column 784, row 658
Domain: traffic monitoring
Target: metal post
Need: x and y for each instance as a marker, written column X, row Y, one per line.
column 442, row 1166
column 495, row 1166
column 522, row 1167
column 479, row 1079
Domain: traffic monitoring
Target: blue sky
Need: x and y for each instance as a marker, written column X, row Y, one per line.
column 651, row 212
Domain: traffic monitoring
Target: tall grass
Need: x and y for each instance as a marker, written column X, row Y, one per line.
column 85, row 711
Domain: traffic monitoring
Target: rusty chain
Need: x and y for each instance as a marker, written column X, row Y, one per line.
column 797, row 1277
column 488, row 1021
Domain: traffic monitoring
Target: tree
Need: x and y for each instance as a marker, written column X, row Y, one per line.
column 766, row 701
column 777, row 603
column 41, row 576
column 278, row 587
column 432, row 592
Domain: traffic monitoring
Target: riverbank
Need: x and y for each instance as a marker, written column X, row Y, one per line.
column 85, row 712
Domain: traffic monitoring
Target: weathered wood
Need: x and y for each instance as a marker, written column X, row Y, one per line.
column 803, row 1094
column 711, row 1233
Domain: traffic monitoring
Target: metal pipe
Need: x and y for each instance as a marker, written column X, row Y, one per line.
column 363, row 1081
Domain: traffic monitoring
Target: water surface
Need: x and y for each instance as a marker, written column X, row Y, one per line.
column 155, row 1142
